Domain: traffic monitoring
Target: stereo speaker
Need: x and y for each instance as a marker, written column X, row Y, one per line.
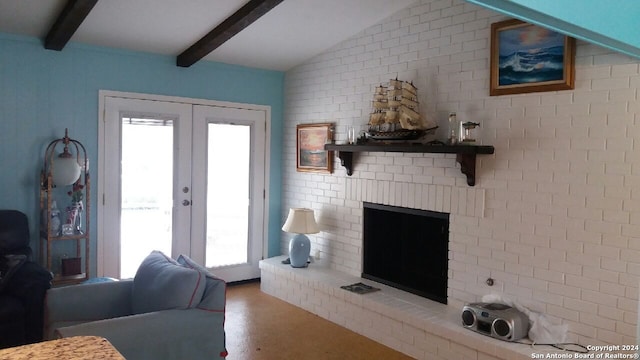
column 496, row 320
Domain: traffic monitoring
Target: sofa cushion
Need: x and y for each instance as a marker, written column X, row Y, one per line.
column 161, row 284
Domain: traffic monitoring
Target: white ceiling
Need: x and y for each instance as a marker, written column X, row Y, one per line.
column 294, row 31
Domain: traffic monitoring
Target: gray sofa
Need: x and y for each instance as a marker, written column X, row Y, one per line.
column 127, row 312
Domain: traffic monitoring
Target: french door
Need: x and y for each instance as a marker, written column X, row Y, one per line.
column 182, row 178
column 229, row 169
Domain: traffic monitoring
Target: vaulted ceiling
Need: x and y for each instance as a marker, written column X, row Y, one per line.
column 274, row 34
column 268, row 34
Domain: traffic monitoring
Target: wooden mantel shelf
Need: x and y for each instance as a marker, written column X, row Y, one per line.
column 465, row 154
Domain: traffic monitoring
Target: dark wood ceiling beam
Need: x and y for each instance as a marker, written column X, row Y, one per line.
column 67, row 23
column 235, row 23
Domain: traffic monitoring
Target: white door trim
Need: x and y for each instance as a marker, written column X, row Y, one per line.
column 101, row 244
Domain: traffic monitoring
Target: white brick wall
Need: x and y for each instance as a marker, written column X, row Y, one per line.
column 554, row 217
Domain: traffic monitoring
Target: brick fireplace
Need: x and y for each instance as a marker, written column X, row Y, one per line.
column 406, row 249
column 411, row 324
column 553, row 216
column 401, row 320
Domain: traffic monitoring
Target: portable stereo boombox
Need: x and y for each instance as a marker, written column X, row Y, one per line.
column 496, row 320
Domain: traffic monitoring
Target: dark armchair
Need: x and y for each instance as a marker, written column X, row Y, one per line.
column 23, row 283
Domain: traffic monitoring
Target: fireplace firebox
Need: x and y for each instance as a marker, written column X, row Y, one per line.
column 407, row 249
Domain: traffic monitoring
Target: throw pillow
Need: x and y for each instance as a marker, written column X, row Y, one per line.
column 162, row 284
column 186, row 261
column 214, row 298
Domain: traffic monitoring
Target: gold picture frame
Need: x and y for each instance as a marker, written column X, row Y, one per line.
column 527, row 58
column 310, row 153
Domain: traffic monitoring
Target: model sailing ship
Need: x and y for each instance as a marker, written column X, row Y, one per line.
column 395, row 113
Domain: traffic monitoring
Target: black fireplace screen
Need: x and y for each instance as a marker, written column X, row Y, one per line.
column 407, row 249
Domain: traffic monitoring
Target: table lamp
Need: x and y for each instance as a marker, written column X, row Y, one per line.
column 300, row 222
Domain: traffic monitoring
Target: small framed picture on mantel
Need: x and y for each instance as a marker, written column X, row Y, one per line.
column 310, row 153
column 528, row 58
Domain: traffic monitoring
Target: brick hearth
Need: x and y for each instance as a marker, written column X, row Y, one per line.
column 416, row 326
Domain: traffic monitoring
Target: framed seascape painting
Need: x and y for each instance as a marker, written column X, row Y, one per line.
column 310, row 153
column 528, row 58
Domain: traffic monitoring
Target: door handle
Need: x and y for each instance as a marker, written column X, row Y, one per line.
column 186, row 202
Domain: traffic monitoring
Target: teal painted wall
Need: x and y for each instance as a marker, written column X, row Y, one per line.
column 42, row 92
column 610, row 24
column 616, row 20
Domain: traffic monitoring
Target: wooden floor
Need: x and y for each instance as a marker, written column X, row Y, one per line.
column 260, row 326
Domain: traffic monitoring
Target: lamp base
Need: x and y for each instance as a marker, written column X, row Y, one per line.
column 287, row 261
column 299, row 250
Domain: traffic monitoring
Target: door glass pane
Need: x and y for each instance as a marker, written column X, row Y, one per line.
column 228, row 173
column 147, row 191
